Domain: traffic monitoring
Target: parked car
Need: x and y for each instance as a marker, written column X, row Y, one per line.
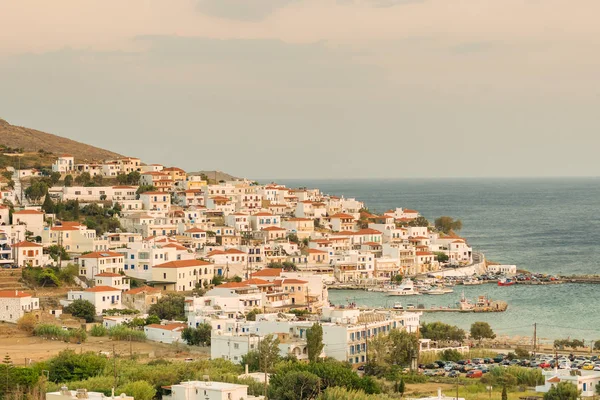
column 453, row 374
column 475, row 373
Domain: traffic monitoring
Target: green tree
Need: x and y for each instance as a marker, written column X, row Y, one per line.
column 139, row 390
column 419, row 221
column 268, row 352
column 404, row 346
column 152, row 319
column 440, row 331
column 70, row 366
column 401, row 387
column 144, row 188
column 441, row 256
column 48, row 205
column 36, row 190
column 197, row 336
column 521, row 353
column 314, row 341
column 251, row 316
column 447, row 224
column 562, row 391
column 295, row 385
column 171, row 307
column 69, row 180
column 83, row 179
column 82, row 309
column 451, row 355
column 504, row 393
column 54, row 178
column 55, row 251
column 482, row 330
column 252, row 359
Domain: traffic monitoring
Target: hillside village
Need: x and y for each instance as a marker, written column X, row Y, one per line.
column 231, row 247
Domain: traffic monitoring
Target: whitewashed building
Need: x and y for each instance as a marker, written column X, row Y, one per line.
column 14, row 304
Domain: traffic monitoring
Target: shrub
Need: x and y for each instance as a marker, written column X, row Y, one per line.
column 98, row 331
column 27, row 323
column 121, row 332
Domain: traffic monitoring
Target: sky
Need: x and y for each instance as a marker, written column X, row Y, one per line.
column 313, row 88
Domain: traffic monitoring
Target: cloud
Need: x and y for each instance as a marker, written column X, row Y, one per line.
column 243, row 10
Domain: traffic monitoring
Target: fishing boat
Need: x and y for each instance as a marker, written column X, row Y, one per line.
column 505, row 282
column 406, row 289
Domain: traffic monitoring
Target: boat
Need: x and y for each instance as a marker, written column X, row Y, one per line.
column 406, row 289
column 410, row 306
column 505, row 282
column 472, row 282
column 398, row 306
column 436, row 291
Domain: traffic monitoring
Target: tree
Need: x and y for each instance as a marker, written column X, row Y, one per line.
column 69, row 180
column 152, row 319
column 404, row 346
column 55, row 251
column 197, row 336
column 54, row 178
column 251, row 316
column 70, row 366
column 419, row 221
column 82, row 309
column 294, row 385
column 504, row 393
column 48, row 205
column 252, row 360
column 451, row 355
column 439, row 331
column 521, row 353
column 171, row 307
column 441, row 256
column 139, row 390
column 401, row 387
column 562, row 391
column 482, row 330
column 314, row 341
column 36, row 190
column 83, row 179
column 447, row 224
column 268, row 352
column 144, row 188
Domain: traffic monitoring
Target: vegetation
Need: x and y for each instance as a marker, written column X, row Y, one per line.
column 132, row 178
column 391, row 351
column 171, row 307
column 572, row 343
column 482, row 330
column 121, row 332
column 562, row 391
column 314, row 342
column 447, row 224
column 441, row 256
column 286, row 265
column 441, row 332
column 27, row 323
column 143, row 189
column 49, row 331
column 98, row 331
column 49, row 276
column 197, row 336
column 251, row 315
column 82, row 309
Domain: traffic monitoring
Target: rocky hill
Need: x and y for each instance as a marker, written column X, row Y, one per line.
column 31, row 140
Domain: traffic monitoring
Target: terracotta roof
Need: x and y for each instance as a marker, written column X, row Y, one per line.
column 408, row 211
column 342, row 215
column 215, row 253
column 13, row 294
column 102, row 254
column 299, row 219
column 108, row 275
column 143, row 289
column 368, row 231
column 234, row 251
column 315, row 251
column 101, row 289
column 424, row 253
column 153, row 193
column 123, row 187
column 182, row 264
column 554, row 379
column 372, row 244
column 28, row 212
column 174, row 245
column 65, row 228
column 268, row 272
column 279, row 282
column 168, row 327
column 26, row 244
column 256, row 281
column 232, row 285
column 264, row 214
column 273, row 228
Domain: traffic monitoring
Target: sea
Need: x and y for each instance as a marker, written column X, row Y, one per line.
column 549, row 225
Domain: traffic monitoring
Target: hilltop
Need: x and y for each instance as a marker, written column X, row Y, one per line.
column 32, row 141
column 216, row 175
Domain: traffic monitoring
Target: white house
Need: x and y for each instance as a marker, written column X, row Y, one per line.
column 585, row 381
column 92, row 264
column 111, row 279
column 165, row 333
column 66, row 394
column 502, row 269
column 182, row 275
column 102, row 297
column 32, row 219
column 64, row 164
column 207, row 390
column 14, row 304
column 28, row 254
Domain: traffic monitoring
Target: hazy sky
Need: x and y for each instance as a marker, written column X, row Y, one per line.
column 313, row 88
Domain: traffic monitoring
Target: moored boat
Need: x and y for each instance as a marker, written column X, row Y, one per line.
column 505, row 282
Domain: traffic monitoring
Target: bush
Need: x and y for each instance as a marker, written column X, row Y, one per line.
column 27, row 323
column 451, row 355
column 98, row 331
column 49, row 331
column 82, row 309
column 139, row 390
column 121, row 332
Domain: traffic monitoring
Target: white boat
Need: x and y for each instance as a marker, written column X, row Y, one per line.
column 472, row 282
column 406, row 289
column 398, row 306
column 447, row 290
column 436, row 291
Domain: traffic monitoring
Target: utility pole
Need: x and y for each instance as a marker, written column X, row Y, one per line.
column 534, row 337
column 366, row 344
column 114, row 367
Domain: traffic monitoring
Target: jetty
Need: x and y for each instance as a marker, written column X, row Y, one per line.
column 494, row 306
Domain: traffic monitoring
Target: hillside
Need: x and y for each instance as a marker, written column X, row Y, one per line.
column 31, row 140
column 216, row 175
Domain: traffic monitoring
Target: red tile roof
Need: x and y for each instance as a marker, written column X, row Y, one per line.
column 13, row 294
column 143, row 289
column 232, row 285
column 26, row 244
column 108, row 275
column 28, row 212
column 268, row 272
column 168, row 327
column 102, row 254
column 101, row 289
column 182, row 264
column 256, row 281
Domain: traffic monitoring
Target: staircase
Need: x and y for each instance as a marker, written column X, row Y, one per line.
column 9, row 279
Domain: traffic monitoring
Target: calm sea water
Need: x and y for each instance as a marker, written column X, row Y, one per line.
column 541, row 225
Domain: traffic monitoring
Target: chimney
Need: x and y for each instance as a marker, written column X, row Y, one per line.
column 246, row 369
